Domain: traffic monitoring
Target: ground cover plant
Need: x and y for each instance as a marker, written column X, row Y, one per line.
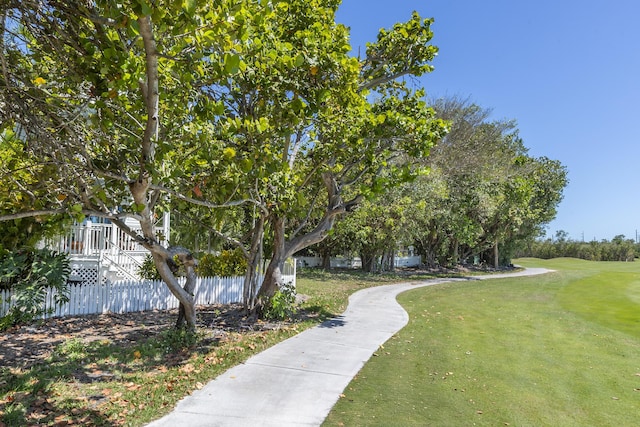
column 558, row 350
column 129, row 369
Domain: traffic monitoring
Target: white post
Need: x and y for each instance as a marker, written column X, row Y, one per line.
column 115, row 237
column 166, row 224
column 86, row 250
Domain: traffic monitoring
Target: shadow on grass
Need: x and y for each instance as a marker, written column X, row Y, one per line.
column 30, row 392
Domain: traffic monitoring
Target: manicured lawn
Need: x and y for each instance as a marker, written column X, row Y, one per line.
column 561, row 349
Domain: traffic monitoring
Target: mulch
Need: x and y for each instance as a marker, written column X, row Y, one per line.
column 26, row 345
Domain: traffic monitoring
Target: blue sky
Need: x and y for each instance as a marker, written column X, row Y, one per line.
column 568, row 71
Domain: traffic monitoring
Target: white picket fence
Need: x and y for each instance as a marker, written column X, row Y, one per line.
column 132, row 296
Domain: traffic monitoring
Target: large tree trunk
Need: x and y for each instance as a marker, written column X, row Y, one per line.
column 186, row 299
column 254, row 266
column 368, row 260
column 273, row 275
column 189, row 264
column 162, row 257
column 283, row 249
column 496, row 256
column 455, row 258
column 326, row 260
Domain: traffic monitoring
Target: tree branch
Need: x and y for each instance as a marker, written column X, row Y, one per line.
column 150, row 92
column 369, row 84
column 204, row 202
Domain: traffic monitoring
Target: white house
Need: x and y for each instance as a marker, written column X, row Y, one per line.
column 100, row 251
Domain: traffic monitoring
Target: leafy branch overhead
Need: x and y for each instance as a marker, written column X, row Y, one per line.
column 403, row 50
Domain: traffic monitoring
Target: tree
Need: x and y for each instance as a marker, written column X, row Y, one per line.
column 306, row 131
column 103, row 98
column 375, row 230
column 484, row 190
column 359, row 146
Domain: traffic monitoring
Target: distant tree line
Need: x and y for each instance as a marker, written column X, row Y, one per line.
column 483, row 198
column 618, row 249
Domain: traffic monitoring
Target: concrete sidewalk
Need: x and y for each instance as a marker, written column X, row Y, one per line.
column 297, row 382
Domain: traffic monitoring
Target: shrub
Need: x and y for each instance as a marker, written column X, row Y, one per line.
column 282, row 304
column 148, row 270
column 227, row 263
column 29, row 274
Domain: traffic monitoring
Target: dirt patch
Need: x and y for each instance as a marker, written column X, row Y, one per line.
column 26, row 345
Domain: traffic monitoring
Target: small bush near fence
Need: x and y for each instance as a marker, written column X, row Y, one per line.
column 26, row 277
column 225, row 264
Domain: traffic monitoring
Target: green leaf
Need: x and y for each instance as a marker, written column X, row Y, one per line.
column 145, row 8
column 231, row 63
column 138, row 207
column 246, row 165
column 297, row 104
column 189, row 6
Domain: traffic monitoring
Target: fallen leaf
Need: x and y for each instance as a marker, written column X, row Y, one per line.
column 188, row 368
column 615, row 398
column 479, row 412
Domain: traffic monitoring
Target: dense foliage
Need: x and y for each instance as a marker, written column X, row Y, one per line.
column 29, row 274
column 484, row 197
column 253, row 117
column 223, row 264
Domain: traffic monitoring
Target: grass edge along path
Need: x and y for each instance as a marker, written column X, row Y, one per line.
column 509, row 351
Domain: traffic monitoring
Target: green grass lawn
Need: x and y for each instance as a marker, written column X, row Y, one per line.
column 561, row 349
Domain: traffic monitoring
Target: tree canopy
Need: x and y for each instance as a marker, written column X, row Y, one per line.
column 483, row 190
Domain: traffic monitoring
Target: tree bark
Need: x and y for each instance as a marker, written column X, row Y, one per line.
column 189, row 263
column 326, row 260
column 368, row 262
column 187, row 301
column 273, row 275
column 254, row 266
column 283, row 249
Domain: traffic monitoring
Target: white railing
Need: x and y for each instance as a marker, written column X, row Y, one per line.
column 92, row 239
column 143, row 295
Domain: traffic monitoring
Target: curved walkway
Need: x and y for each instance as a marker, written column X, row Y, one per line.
column 297, row 382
